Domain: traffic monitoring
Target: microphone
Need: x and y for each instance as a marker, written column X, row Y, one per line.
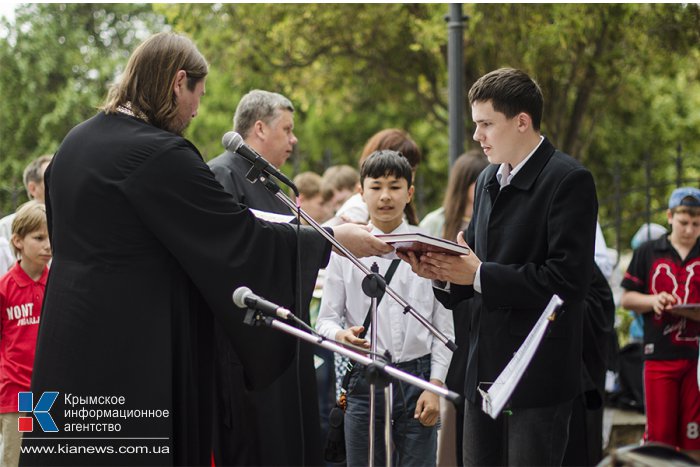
column 233, row 142
column 243, row 297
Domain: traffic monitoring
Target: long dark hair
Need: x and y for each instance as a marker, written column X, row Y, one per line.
column 464, row 172
column 146, row 83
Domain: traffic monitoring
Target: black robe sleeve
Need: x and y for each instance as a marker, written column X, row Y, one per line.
column 221, row 246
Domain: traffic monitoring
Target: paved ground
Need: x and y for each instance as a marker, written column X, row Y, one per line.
column 622, row 428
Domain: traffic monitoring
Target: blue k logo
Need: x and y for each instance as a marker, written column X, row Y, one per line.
column 25, row 403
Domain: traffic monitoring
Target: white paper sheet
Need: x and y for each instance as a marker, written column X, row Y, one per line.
column 500, row 391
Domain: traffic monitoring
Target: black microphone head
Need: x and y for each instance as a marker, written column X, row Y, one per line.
column 240, row 294
column 232, row 141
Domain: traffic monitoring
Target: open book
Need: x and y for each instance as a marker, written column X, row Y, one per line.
column 687, row 310
column 422, row 243
column 687, row 306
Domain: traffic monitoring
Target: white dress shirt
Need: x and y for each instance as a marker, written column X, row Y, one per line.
column 402, row 334
column 7, row 257
column 6, row 226
column 354, row 210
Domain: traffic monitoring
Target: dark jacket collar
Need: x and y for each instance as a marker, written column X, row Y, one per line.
column 524, row 179
column 663, row 244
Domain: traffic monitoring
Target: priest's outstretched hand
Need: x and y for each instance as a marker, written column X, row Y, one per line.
column 359, row 241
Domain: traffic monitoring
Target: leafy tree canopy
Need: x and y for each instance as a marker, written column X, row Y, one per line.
column 620, row 80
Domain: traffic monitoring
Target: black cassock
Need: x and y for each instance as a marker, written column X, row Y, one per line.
column 280, row 423
column 148, row 249
column 585, row 445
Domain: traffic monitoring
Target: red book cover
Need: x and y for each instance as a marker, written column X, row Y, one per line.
column 422, row 243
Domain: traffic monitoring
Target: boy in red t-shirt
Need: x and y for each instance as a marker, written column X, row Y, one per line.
column 665, row 273
column 21, row 297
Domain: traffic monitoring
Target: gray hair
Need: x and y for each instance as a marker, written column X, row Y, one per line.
column 258, row 105
column 32, row 173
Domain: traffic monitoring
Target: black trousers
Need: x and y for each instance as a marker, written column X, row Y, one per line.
column 585, row 445
column 532, row 436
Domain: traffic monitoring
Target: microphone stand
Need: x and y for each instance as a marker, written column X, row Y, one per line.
column 258, row 318
column 373, row 290
column 407, row 308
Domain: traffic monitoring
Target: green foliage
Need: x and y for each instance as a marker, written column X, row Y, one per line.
column 620, row 81
column 612, row 75
column 620, row 86
column 623, row 321
column 346, row 82
column 387, row 70
column 57, row 61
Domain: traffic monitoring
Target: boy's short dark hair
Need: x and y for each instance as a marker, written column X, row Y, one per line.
column 692, row 211
column 510, row 91
column 386, row 162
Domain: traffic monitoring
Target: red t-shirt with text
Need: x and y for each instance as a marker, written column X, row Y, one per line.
column 20, row 305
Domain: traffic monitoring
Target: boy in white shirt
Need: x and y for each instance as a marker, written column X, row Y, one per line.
column 386, row 187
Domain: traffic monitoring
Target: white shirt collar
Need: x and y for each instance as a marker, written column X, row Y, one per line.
column 503, row 175
column 402, row 228
column 503, row 169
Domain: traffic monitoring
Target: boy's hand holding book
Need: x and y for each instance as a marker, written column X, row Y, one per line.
column 452, row 268
column 662, row 302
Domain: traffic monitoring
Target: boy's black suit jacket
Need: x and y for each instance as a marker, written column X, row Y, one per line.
column 535, row 238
